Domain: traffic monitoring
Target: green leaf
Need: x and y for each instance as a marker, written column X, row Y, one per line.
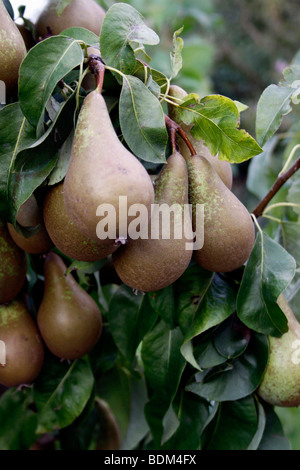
column 268, row 272
column 237, row 378
column 122, row 26
column 163, row 303
column 163, row 367
column 234, row 426
column 81, row 34
column 30, row 166
column 61, row 392
column 273, row 437
column 61, row 5
column 193, row 414
column 176, row 57
column 18, row 421
column 43, row 67
column 215, row 119
column 294, row 194
column 231, row 337
column 204, row 301
column 130, row 317
column 142, row 121
column 16, row 134
column 273, row 104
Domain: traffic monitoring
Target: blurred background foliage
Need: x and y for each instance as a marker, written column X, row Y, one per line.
column 236, row 48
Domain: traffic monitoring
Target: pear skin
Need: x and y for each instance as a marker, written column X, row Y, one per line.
column 229, row 232
column 12, row 52
column 152, row 264
column 280, row 385
column 65, row 235
column 30, row 215
column 68, row 318
column 222, row 168
column 13, row 266
column 101, row 170
column 24, row 349
column 79, row 13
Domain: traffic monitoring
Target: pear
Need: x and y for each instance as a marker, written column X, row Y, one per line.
column 280, row 385
column 149, row 264
column 13, row 266
column 110, row 435
column 65, row 235
column 78, row 13
column 12, row 52
column 30, row 215
column 68, row 318
column 229, row 233
column 223, row 168
column 24, row 350
column 101, row 170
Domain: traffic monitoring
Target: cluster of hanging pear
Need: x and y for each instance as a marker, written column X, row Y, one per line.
column 68, row 321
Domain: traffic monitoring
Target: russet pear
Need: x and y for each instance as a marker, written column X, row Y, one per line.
column 13, row 266
column 24, row 350
column 12, row 52
column 68, row 318
column 280, row 385
column 66, row 236
column 229, row 233
column 78, row 13
column 101, row 170
column 222, row 168
column 30, row 215
column 149, row 264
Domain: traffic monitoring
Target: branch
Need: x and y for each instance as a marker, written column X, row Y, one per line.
column 173, row 127
column 97, row 67
column 275, row 188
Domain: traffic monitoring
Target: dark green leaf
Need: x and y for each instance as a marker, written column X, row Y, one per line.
column 33, row 164
column 16, row 134
column 130, row 317
column 142, row 121
column 122, row 26
column 204, row 351
column 61, row 392
column 234, row 426
column 236, row 379
column 193, row 414
column 268, row 272
column 43, row 67
column 215, row 119
column 231, row 337
column 163, row 366
column 18, row 421
column 163, row 303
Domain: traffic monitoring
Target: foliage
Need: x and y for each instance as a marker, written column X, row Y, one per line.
column 180, row 367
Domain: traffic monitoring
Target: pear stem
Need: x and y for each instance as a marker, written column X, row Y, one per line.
column 97, row 67
column 173, row 127
column 282, row 178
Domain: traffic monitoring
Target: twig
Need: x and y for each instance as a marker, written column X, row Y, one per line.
column 173, row 127
column 282, row 178
column 97, row 67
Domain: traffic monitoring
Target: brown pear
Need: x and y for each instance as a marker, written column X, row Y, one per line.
column 229, row 233
column 280, row 385
column 78, row 13
column 110, row 434
column 149, row 264
column 12, row 52
column 30, row 215
column 13, row 266
column 66, row 236
column 103, row 176
column 69, row 319
column 22, row 345
column 222, row 168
